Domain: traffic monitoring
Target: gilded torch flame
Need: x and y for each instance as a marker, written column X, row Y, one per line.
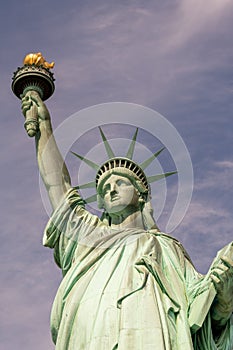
column 38, row 60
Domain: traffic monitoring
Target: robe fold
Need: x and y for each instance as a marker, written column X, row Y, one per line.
column 127, row 289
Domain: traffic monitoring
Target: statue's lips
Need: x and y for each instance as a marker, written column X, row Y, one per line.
column 114, row 198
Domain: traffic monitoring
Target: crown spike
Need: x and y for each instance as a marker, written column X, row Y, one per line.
column 87, row 161
column 132, row 146
column 87, row 185
column 148, row 161
column 106, row 145
column 154, row 178
column 91, row 199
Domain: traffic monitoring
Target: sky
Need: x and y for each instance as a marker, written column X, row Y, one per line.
column 170, row 56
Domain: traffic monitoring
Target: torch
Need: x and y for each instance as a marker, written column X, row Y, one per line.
column 34, row 78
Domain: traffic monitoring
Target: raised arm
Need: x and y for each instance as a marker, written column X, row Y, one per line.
column 51, row 164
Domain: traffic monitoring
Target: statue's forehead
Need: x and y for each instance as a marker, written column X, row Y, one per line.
column 115, row 177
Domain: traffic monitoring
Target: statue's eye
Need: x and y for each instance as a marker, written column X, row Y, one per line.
column 123, row 182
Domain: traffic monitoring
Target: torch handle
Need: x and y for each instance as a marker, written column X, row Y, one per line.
column 31, row 123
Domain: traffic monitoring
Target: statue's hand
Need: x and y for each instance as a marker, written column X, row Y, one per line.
column 32, row 100
column 222, row 278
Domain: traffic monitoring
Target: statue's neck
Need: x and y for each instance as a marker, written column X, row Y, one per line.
column 123, row 221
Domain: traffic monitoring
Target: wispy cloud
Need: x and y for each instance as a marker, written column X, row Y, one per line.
column 125, row 49
column 225, row 164
column 217, row 176
column 194, row 18
column 205, row 229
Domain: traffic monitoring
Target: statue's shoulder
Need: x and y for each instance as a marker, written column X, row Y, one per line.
column 172, row 243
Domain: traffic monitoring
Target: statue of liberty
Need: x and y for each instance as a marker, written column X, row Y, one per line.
column 134, row 287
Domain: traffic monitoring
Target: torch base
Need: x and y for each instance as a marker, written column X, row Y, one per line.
column 32, row 77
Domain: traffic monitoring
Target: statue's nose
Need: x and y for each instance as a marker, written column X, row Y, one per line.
column 113, row 188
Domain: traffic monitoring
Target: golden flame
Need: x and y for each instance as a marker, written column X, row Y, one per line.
column 38, row 60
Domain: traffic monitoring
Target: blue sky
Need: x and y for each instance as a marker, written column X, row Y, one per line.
column 173, row 56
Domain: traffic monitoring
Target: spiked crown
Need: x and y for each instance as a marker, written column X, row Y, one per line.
column 124, row 166
column 121, row 166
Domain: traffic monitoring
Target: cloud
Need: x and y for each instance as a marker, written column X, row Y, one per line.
column 207, row 225
column 150, row 55
column 194, row 17
column 225, row 164
column 216, row 176
column 206, row 228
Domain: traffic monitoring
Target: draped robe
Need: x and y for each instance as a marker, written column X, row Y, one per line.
column 127, row 289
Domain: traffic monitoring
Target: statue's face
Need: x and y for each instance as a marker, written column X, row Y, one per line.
column 119, row 195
